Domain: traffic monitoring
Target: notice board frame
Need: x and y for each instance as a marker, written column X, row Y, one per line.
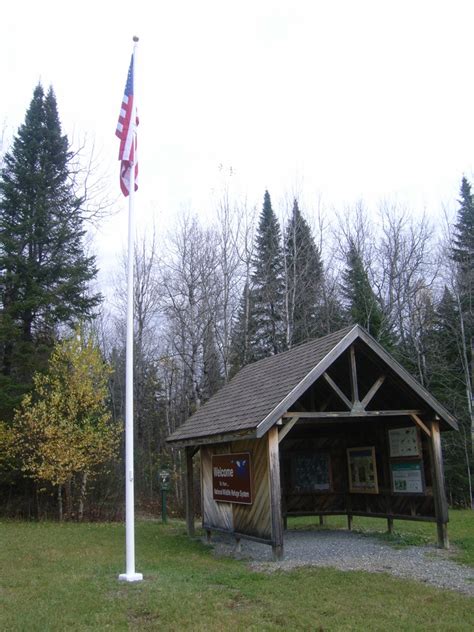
column 367, row 452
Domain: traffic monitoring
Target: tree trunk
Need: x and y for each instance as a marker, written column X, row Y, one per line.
column 60, row 503
column 68, row 491
column 82, row 497
column 37, row 502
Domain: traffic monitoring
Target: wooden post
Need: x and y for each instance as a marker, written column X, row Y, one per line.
column 390, row 525
column 275, row 493
column 353, row 374
column 322, row 521
column 189, row 490
column 439, row 492
column 349, row 522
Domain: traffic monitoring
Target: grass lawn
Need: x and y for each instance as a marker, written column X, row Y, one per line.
column 64, row 577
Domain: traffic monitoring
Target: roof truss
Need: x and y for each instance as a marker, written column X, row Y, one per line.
column 356, row 408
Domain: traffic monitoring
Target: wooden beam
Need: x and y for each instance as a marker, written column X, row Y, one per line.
column 275, row 493
column 439, row 493
column 337, row 390
column 407, row 378
column 342, row 512
column 342, row 414
column 354, row 384
column 211, row 439
column 372, row 391
column 189, row 490
column 307, row 381
column 286, row 428
column 420, row 424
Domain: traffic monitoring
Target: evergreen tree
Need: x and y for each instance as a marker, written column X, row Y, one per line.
column 363, row 306
column 304, row 275
column 463, row 246
column 462, row 253
column 447, row 383
column 463, row 256
column 241, row 334
column 44, row 273
column 266, row 320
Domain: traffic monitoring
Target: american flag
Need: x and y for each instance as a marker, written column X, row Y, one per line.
column 126, row 131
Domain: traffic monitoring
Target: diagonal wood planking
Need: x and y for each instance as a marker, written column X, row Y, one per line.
column 214, row 514
column 255, row 519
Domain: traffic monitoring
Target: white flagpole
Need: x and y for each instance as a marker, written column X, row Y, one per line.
column 130, row 575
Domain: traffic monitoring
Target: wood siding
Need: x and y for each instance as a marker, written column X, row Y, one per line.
column 252, row 520
column 214, row 514
column 255, row 519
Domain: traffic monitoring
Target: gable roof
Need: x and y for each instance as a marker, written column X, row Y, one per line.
column 257, row 397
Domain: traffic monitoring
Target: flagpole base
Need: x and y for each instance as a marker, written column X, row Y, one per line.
column 130, row 577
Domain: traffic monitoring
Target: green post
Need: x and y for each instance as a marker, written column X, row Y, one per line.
column 163, row 505
column 165, row 485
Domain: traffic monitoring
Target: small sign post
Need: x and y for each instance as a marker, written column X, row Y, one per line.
column 165, row 485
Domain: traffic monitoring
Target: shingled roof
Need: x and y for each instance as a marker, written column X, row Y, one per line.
column 262, row 392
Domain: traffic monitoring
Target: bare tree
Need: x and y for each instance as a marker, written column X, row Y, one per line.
column 189, row 274
column 232, row 242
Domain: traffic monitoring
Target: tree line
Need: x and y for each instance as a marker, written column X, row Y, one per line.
column 210, row 297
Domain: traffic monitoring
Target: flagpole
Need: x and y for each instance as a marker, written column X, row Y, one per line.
column 131, row 575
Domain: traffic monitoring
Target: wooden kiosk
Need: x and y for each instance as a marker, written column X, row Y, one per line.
column 333, row 426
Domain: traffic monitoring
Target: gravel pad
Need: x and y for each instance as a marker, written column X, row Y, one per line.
column 349, row 551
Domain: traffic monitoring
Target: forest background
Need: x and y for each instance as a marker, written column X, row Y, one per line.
column 210, row 297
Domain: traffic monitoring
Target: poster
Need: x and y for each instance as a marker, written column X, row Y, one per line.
column 407, row 477
column 362, row 470
column 311, row 472
column 231, row 478
column 404, row 441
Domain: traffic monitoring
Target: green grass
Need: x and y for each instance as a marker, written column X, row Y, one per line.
column 460, row 530
column 64, row 577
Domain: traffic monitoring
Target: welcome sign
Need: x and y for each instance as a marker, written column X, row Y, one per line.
column 231, row 478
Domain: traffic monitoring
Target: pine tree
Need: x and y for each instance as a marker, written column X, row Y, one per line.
column 241, row 334
column 363, row 307
column 44, row 273
column 304, row 275
column 266, row 322
column 463, row 256
column 462, row 253
column 447, row 383
column 463, row 246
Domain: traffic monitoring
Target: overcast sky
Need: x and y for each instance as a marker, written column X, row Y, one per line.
column 340, row 100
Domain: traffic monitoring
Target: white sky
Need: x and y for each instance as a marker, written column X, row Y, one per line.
column 341, row 100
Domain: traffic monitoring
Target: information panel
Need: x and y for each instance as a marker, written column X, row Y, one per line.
column 311, row 472
column 404, row 442
column 231, row 478
column 362, row 470
column 407, row 477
